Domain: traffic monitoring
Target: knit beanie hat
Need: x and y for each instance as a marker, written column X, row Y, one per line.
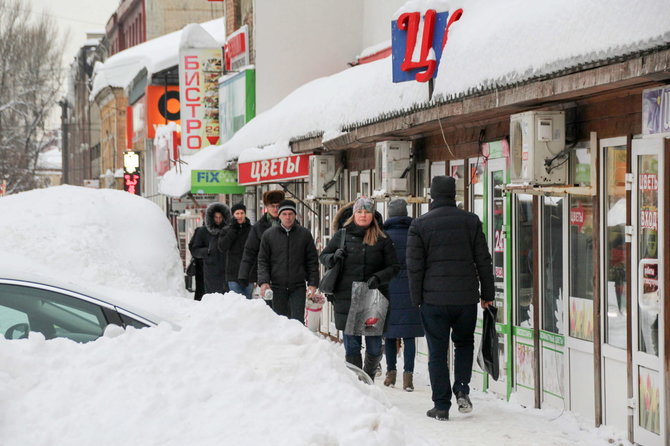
column 398, row 208
column 273, row 197
column 287, row 205
column 365, row 204
column 443, row 187
column 238, row 207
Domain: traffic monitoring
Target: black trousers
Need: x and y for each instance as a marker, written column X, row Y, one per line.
column 290, row 302
column 441, row 322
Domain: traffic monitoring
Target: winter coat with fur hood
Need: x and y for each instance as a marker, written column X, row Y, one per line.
column 205, row 247
column 231, row 243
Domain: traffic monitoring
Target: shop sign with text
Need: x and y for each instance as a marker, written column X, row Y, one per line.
column 215, row 182
column 199, row 72
column 417, row 42
column 276, row 169
column 236, row 49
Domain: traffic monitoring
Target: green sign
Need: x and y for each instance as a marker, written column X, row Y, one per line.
column 215, row 182
column 237, row 102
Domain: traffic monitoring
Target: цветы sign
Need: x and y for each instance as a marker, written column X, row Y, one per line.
column 276, row 169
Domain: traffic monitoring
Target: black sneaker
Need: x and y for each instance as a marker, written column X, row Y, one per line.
column 464, row 403
column 438, row 414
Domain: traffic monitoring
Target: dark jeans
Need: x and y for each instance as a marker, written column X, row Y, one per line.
column 391, row 351
column 353, row 344
column 239, row 289
column 440, row 321
column 290, row 303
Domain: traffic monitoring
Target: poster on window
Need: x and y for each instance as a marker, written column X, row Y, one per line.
column 649, row 391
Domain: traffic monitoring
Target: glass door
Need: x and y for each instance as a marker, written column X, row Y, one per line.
column 647, row 309
column 497, row 223
column 614, row 285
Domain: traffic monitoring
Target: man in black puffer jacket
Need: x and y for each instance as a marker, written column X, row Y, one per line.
column 286, row 260
column 447, row 261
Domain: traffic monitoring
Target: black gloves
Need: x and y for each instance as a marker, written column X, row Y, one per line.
column 373, row 282
column 339, row 254
column 243, row 282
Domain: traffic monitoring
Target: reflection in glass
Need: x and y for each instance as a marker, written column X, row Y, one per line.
column 477, row 188
column 552, row 264
column 581, row 268
column 524, row 260
column 647, row 223
column 615, row 245
column 458, row 172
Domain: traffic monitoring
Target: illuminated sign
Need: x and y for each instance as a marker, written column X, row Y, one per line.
column 277, row 169
column 199, row 72
column 131, row 172
column 418, row 42
column 215, row 182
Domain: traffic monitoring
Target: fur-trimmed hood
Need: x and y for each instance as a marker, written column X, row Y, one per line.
column 209, row 217
column 347, row 211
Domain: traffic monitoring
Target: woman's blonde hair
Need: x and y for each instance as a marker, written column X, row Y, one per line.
column 372, row 233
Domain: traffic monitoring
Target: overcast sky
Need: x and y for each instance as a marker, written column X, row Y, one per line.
column 76, row 17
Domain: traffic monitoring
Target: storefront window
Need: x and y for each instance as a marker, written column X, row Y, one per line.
column 615, row 245
column 552, row 264
column 458, row 172
column 497, row 220
column 477, row 187
column 649, row 304
column 581, row 268
column 524, row 260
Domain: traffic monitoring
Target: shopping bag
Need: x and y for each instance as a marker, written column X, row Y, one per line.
column 329, row 280
column 367, row 312
column 487, row 358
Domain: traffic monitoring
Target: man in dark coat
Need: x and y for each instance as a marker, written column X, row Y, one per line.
column 448, row 260
column 231, row 243
column 205, row 247
column 286, row 260
column 404, row 320
column 248, row 273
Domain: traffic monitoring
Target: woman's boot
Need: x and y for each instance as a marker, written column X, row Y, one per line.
column 390, row 378
column 408, row 381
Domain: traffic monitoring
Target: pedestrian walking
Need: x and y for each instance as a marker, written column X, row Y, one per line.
column 368, row 256
column 231, row 243
column 404, row 318
column 248, row 273
column 198, row 276
column 288, row 259
column 205, row 247
column 448, row 260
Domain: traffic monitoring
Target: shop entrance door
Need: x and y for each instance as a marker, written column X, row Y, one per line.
column 649, row 418
column 497, row 222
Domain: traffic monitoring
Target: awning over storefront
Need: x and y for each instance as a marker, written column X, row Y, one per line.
column 484, row 53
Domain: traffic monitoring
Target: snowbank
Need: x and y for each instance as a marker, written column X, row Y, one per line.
column 98, row 236
column 235, row 374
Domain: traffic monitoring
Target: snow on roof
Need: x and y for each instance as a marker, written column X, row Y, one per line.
column 493, row 45
column 154, row 55
column 51, row 159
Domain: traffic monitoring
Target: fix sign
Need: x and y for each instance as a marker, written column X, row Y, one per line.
column 417, row 43
column 285, row 168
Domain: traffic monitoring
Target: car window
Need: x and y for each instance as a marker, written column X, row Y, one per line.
column 50, row 313
column 130, row 322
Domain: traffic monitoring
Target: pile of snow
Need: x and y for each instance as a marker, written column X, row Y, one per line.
column 100, row 236
column 235, row 373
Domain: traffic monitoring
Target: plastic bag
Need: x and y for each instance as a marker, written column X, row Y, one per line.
column 367, row 312
column 313, row 309
column 487, row 358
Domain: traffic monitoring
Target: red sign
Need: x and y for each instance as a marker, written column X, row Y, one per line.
column 648, row 219
column 648, row 181
column 236, row 50
column 131, row 183
column 577, row 216
column 264, row 171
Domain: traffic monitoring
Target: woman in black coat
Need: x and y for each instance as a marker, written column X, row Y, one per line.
column 404, row 319
column 231, row 243
column 368, row 256
column 205, row 247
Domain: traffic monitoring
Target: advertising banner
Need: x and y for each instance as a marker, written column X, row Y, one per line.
column 236, row 49
column 162, row 107
column 656, row 110
column 199, row 72
column 215, row 182
column 276, row 169
column 237, row 102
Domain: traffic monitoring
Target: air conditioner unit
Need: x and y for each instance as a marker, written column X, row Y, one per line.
column 537, row 143
column 392, row 165
column 322, row 170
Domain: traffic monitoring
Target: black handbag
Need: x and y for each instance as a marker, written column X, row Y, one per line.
column 332, row 274
column 190, row 269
